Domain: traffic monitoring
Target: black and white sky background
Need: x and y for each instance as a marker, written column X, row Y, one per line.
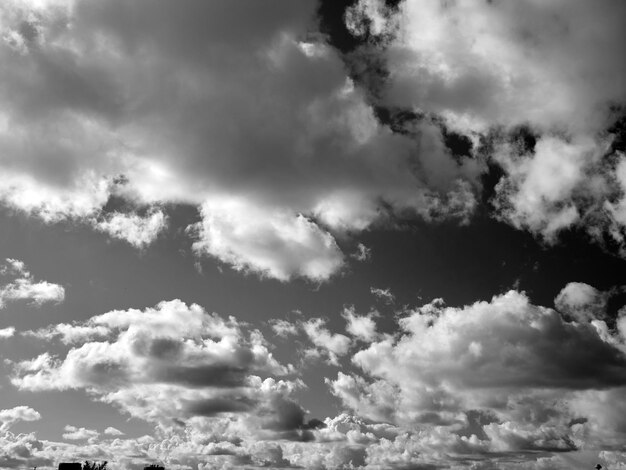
column 329, row 234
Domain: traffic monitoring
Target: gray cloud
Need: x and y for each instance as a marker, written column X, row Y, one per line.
column 542, row 382
column 502, row 382
column 264, row 122
column 174, row 362
column 486, row 68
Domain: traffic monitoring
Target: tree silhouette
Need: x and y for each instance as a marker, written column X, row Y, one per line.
column 95, row 465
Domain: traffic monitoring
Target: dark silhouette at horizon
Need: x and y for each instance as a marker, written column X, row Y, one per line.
column 88, row 465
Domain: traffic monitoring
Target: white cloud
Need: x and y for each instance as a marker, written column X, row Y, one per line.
column 22, row 450
column 13, row 266
column 333, row 345
column 7, row 332
column 10, row 416
column 111, row 431
column 502, row 383
column 362, row 253
column 69, row 333
column 136, row 230
column 284, row 328
column 551, row 190
column 276, row 244
column 487, row 68
column 533, row 380
column 192, row 114
column 72, row 433
column 26, row 288
column 362, row 327
column 383, row 294
column 617, row 208
column 484, row 64
column 175, row 362
column 582, row 302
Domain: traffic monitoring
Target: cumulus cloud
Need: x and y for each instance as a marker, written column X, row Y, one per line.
column 136, row 230
column 500, row 382
column 277, row 244
column 362, row 327
column 174, row 362
column 284, row 328
column 561, row 185
column 21, row 450
column 111, row 431
column 10, row 416
column 72, row 433
column 104, row 100
column 488, row 69
column 24, row 286
column 481, row 63
column 508, row 375
column 7, row 332
column 582, row 302
column 333, row 345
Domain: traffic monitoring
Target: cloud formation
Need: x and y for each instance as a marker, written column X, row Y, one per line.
column 362, row 327
column 148, row 104
column 582, row 302
column 489, row 69
column 24, row 286
column 498, row 376
column 500, row 382
column 72, row 433
column 172, row 363
column 111, row 431
column 10, row 416
column 7, row 332
column 136, row 230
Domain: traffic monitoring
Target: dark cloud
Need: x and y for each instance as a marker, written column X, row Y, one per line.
column 213, row 406
column 261, row 128
column 212, row 375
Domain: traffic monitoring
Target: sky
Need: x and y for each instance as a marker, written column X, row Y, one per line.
column 313, row 234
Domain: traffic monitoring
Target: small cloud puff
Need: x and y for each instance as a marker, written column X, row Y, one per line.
column 10, row 416
column 24, row 287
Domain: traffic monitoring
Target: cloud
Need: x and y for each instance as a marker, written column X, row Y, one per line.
column 69, row 333
column 111, row 431
column 480, row 64
column 10, row 416
column 333, row 345
column 362, row 253
column 362, row 327
column 174, row 363
column 384, row 295
column 21, row 450
column 25, row 287
column 7, row 332
column 501, row 382
column 617, row 207
column 279, row 245
column 136, row 230
column 284, row 328
column 561, row 185
column 489, row 69
column 72, row 433
column 508, row 375
column 146, row 104
column 582, row 302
